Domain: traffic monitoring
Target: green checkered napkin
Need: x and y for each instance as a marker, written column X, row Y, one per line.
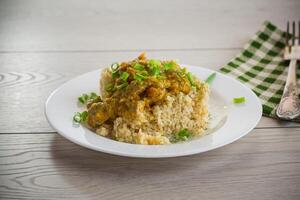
column 261, row 67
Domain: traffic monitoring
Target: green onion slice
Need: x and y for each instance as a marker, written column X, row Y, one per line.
column 238, row 100
column 77, row 117
column 210, row 78
column 138, row 77
column 121, row 86
column 83, row 98
column 80, row 117
column 191, row 78
column 168, row 66
column 139, row 67
column 84, row 115
column 155, row 71
column 93, row 95
column 109, row 87
column 114, row 67
column 124, row 76
column 154, row 63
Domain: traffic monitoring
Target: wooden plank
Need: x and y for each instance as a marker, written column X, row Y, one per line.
column 113, row 25
column 263, row 165
column 27, row 79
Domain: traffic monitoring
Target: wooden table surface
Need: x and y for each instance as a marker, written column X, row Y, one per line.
column 45, row 43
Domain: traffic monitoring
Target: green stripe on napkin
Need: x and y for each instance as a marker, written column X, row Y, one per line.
column 261, row 67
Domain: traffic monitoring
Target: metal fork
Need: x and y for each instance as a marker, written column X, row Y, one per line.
column 289, row 106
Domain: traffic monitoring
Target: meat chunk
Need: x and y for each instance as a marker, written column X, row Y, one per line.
column 98, row 113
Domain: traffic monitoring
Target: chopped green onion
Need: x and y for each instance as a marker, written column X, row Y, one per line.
column 144, row 73
column 93, row 95
column 83, row 98
column 109, row 87
column 77, row 117
column 124, row 76
column 239, row 100
column 84, row 115
column 114, row 67
column 155, row 71
column 139, row 67
column 138, row 77
column 115, row 74
column 154, row 63
column 191, row 78
column 210, row 78
column 80, row 117
column 183, row 134
column 115, row 70
column 182, row 72
column 121, row 86
column 168, row 66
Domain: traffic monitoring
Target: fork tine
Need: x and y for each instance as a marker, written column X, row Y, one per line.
column 299, row 32
column 287, row 34
column 293, row 36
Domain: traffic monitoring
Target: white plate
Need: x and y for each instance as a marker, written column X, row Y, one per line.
column 62, row 104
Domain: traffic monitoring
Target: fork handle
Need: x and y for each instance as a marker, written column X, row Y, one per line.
column 289, row 106
column 290, row 88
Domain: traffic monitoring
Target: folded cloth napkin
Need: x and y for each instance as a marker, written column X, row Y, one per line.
column 262, row 68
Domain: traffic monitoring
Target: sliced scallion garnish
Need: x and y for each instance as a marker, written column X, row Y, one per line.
column 109, row 87
column 139, row 67
column 83, row 98
column 114, row 66
column 124, row 76
column 121, row 86
column 191, row 78
column 138, row 77
column 84, row 115
column 77, row 117
column 182, row 135
column 210, row 78
column 154, row 63
column 93, row 95
column 168, row 66
column 115, row 70
column 239, row 100
column 80, row 116
column 155, row 71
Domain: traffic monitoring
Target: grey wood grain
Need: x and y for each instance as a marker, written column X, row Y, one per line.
column 136, row 24
column 27, row 79
column 263, row 165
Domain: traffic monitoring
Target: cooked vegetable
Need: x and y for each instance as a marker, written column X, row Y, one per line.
column 210, row 78
column 77, row 117
column 115, row 67
column 115, row 70
column 80, row 117
column 168, row 66
column 139, row 77
column 182, row 135
column 239, row 100
column 83, row 98
column 121, row 86
column 191, row 79
column 109, row 87
column 124, row 76
column 93, row 95
column 84, row 115
column 139, row 67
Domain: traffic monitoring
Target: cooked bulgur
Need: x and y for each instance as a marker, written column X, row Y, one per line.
column 149, row 102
